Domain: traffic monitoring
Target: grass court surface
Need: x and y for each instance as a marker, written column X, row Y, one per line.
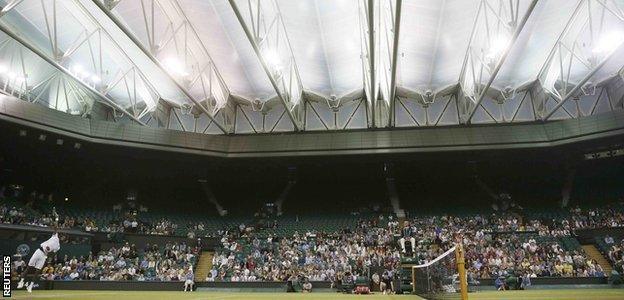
column 585, row 294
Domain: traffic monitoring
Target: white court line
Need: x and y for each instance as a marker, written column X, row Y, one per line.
column 36, row 295
column 69, row 295
column 215, row 297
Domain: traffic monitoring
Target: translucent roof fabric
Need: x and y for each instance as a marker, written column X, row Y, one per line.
column 200, row 56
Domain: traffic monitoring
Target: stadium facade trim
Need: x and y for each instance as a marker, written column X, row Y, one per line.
column 381, row 141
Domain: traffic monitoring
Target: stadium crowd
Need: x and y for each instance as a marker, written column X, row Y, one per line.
column 25, row 215
column 495, row 244
column 564, row 225
column 173, row 262
column 615, row 253
column 316, row 256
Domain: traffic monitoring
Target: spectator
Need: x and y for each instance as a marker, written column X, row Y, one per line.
column 609, row 240
column 189, row 280
column 499, row 283
column 307, row 286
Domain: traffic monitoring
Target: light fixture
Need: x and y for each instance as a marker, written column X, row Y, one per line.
column 174, row 66
column 608, row 42
column 66, row 199
column 77, row 69
column 497, row 47
column 273, row 59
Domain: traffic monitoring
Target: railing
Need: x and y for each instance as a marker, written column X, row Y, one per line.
column 178, row 285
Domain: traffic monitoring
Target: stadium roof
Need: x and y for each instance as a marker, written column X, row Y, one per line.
column 251, row 66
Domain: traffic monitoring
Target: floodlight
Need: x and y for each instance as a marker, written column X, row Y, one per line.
column 609, row 42
column 174, row 66
column 77, row 69
column 497, row 46
column 273, row 60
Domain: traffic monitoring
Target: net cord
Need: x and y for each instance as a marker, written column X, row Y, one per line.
column 436, row 259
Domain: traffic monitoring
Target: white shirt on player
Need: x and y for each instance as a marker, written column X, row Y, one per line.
column 38, row 259
column 52, row 244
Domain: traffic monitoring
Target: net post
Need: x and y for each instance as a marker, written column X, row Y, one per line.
column 413, row 280
column 459, row 258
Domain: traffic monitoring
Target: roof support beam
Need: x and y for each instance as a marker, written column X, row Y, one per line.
column 367, row 54
column 395, row 54
column 379, row 24
column 370, row 21
column 267, row 35
column 98, row 41
column 12, row 4
column 110, row 4
column 558, row 76
column 501, row 60
column 581, row 83
column 565, row 30
column 151, row 56
column 4, row 28
column 90, row 66
column 473, row 32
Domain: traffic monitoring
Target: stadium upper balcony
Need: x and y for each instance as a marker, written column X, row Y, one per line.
column 408, row 140
column 182, row 224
